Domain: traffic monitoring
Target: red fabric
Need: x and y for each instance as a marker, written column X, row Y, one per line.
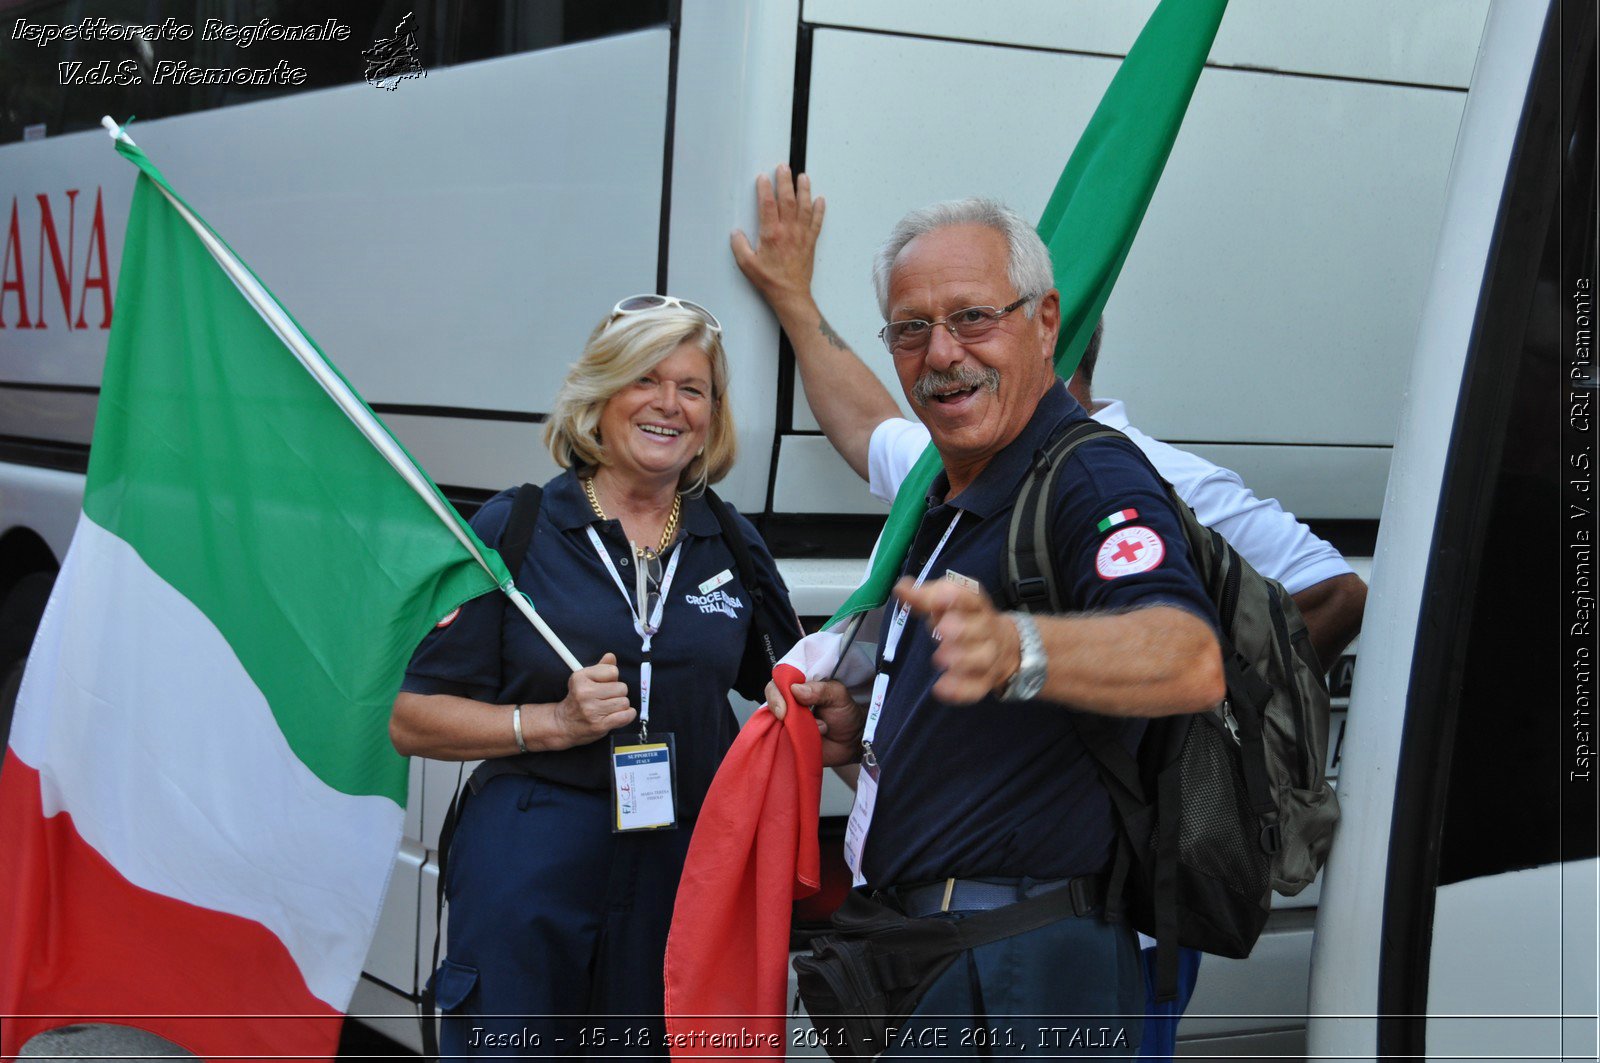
column 754, row 852
column 80, row 943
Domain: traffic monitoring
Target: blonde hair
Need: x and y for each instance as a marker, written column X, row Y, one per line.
column 620, row 350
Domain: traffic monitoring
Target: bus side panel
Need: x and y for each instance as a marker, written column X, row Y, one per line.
column 1222, row 329
column 453, row 242
column 1495, row 985
column 1423, row 42
column 734, row 96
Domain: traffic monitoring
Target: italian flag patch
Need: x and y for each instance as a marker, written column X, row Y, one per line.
column 1120, row 517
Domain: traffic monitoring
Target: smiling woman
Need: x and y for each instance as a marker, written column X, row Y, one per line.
column 565, row 863
column 655, row 372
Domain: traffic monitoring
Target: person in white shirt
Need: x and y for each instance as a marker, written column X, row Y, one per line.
column 864, row 424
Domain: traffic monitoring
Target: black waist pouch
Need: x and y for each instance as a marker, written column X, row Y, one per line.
column 852, row 996
column 870, row 972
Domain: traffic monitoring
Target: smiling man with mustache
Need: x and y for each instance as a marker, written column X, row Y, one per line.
column 934, row 382
column 977, row 791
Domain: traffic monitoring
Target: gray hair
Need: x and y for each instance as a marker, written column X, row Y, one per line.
column 1028, row 268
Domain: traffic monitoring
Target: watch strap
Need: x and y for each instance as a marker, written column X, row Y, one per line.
column 1028, row 679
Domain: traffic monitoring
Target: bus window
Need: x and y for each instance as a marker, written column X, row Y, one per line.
column 67, row 85
column 1504, row 806
column 485, row 28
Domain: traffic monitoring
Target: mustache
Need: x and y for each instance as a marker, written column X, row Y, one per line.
column 958, row 378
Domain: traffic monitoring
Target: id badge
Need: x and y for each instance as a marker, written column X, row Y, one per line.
column 644, row 784
column 855, row 831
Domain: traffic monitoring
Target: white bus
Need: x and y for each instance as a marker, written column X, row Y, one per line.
column 451, row 241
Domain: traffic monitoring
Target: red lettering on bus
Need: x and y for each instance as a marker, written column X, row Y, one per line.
column 14, row 282
column 97, row 249
column 62, row 266
column 61, row 256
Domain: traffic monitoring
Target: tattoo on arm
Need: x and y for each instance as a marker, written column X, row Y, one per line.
column 830, row 335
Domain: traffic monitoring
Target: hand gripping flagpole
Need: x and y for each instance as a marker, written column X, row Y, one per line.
column 347, row 401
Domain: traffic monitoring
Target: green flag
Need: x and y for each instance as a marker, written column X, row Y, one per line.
column 1088, row 224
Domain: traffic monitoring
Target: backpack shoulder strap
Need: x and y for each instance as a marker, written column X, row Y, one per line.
column 762, row 626
column 518, row 532
column 1030, row 570
column 734, row 538
column 1031, row 585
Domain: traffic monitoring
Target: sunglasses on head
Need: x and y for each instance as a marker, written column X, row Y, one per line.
column 643, row 304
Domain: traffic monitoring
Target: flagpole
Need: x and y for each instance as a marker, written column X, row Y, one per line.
column 347, row 401
column 850, row 632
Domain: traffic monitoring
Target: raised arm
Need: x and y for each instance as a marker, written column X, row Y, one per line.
column 846, row 397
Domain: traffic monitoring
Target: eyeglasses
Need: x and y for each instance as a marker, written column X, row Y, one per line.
column 648, row 576
column 643, row 304
column 967, row 325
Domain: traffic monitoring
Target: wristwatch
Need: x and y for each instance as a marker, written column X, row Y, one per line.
column 1029, row 678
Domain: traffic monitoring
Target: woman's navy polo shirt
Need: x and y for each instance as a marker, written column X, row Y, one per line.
column 490, row 652
column 999, row 788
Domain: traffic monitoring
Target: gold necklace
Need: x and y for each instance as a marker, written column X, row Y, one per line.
column 667, row 532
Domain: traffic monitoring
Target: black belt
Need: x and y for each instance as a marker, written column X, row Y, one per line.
column 982, row 895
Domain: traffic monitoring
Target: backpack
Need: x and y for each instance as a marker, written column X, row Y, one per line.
column 1220, row 807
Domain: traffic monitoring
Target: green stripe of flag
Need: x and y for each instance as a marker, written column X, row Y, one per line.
column 226, row 465
column 1089, row 222
column 1122, row 516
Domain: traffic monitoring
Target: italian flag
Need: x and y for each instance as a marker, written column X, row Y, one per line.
column 1121, row 516
column 199, row 806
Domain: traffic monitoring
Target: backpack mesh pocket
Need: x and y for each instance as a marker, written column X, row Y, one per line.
column 1216, row 823
column 1223, row 874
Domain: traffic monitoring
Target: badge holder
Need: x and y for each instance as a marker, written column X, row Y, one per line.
column 644, row 783
column 855, row 829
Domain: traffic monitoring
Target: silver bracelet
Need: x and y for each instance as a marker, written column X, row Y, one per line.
column 516, row 725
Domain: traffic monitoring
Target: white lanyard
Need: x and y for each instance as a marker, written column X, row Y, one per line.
column 891, row 641
column 646, row 630
column 860, row 822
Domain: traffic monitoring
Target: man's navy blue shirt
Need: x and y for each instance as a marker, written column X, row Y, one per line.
column 490, row 652
column 1002, row 789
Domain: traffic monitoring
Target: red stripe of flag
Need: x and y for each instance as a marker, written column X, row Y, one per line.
column 97, row 948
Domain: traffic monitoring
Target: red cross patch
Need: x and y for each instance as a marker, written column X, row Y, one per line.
column 1128, row 551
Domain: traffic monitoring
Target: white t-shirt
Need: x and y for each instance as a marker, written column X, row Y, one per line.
column 1268, row 536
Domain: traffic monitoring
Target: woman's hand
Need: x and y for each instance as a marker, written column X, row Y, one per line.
column 596, row 704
